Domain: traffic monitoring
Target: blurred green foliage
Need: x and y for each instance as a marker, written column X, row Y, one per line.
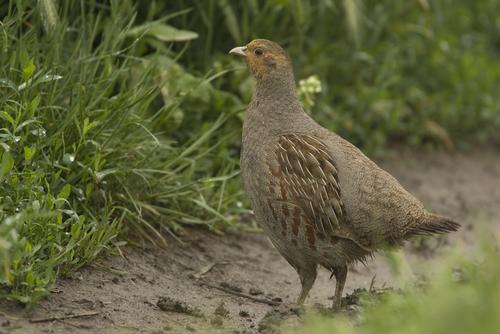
column 462, row 297
column 126, row 115
column 393, row 72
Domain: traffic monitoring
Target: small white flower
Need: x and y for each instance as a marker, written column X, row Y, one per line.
column 307, row 89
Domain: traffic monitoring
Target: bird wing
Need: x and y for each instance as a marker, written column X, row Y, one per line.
column 307, row 178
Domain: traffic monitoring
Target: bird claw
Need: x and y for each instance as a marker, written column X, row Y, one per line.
column 297, row 309
column 293, row 308
column 336, row 304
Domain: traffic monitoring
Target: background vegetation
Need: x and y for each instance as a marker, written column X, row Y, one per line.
column 123, row 116
column 462, row 297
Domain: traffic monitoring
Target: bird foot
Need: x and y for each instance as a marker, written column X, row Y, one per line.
column 288, row 309
column 337, row 304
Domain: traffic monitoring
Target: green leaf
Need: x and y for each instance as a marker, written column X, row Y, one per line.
column 87, row 126
column 30, row 278
column 163, row 32
column 7, row 117
column 102, row 174
column 7, row 164
column 34, row 104
column 27, row 247
column 8, row 83
column 232, row 23
column 48, row 14
column 28, row 70
column 76, row 228
column 64, row 193
column 48, row 78
column 89, row 188
column 29, row 153
column 24, row 57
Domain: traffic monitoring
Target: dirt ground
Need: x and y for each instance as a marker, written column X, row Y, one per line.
column 172, row 290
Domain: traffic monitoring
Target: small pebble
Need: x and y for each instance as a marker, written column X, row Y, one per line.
column 244, row 314
column 255, row 291
column 217, row 321
column 231, row 287
column 221, row 310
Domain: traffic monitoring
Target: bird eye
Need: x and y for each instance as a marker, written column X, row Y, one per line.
column 258, row 52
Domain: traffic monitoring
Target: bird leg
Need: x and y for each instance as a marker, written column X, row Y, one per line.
column 307, row 278
column 340, row 274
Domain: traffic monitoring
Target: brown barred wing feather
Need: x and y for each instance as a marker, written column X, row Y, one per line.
column 308, row 179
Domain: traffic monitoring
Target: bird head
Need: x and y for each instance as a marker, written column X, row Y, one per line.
column 265, row 59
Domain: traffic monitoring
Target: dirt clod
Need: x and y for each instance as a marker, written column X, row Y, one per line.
column 255, row 291
column 270, row 324
column 362, row 295
column 244, row 314
column 231, row 286
column 221, row 311
column 217, row 321
column 168, row 304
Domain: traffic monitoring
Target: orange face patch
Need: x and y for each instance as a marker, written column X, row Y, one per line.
column 264, row 56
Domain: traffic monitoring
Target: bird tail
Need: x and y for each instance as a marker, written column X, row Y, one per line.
column 434, row 224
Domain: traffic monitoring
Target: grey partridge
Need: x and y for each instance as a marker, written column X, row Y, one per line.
column 318, row 198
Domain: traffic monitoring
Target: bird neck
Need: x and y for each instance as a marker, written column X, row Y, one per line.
column 279, row 85
column 275, row 108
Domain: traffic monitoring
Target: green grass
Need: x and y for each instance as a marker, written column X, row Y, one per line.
column 124, row 117
column 89, row 144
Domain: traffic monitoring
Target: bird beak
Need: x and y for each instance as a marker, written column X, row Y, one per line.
column 239, row 51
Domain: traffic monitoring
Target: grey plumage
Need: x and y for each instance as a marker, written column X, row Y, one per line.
column 320, row 200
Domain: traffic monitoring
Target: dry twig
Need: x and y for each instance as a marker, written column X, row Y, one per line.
column 243, row 295
column 63, row 317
